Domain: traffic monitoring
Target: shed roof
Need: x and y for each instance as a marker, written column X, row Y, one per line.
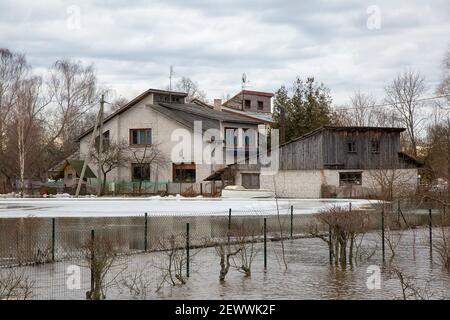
column 77, row 165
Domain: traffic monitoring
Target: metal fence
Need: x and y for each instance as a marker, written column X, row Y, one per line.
column 46, row 253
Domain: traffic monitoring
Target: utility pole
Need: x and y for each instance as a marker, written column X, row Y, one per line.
column 100, row 147
column 86, row 157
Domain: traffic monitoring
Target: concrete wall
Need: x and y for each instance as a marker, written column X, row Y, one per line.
column 310, row 183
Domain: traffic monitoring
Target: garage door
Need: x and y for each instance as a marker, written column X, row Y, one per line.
column 250, row 180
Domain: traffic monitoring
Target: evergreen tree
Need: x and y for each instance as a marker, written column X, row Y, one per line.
column 307, row 109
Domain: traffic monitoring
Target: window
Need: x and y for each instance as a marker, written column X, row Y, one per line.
column 69, row 176
column 105, row 141
column 248, row 137
column 140, row 171
column 231, row 137
column 247, row 104
column 140, row 137
column 350, row 178
column 184, row 172
column 260, row 105
column 351, row 146
column 375, row 146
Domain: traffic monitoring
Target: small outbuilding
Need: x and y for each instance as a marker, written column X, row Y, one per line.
column 69, row 171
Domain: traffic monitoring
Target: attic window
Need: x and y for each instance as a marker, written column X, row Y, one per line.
column 247, row 104
column 260, row 105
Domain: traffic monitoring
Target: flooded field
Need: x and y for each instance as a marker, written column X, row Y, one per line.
column 309, row 274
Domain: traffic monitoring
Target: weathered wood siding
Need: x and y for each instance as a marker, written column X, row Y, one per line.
column 303, row 154
column 335, row 149
column 328, row 149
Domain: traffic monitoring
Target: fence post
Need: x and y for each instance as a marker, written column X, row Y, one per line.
column 430, row 226
column 265, row 243
column 382, row 236
column 53, row 238
column 92, row 260
column 187, row 249
column 330, row 246
column 292, row 222
column 229, row 225
column 145, row 232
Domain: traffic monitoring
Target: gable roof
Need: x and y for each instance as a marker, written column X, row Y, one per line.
column 133, row 102
column 184, row 113
column 58, row 170
column 250, row 93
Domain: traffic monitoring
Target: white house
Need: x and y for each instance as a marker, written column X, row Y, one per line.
column 157, row 118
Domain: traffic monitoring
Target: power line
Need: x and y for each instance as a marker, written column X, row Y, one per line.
column 390, row 104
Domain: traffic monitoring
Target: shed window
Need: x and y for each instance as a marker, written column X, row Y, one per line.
column 350, row 178
column 140, row 137
column 375, row 146
column 351, row 146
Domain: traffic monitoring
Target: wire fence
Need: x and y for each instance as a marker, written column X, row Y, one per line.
column 81, row 257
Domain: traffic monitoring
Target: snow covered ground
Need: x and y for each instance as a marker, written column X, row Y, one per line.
column 157, row 206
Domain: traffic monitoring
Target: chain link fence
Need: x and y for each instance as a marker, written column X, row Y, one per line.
column 117, row 257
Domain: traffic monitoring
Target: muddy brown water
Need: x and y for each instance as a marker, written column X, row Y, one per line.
column 309, row 274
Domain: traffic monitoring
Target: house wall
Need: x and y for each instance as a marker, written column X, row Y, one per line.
column 143, row 116
column 236, row 103
column 309, row 183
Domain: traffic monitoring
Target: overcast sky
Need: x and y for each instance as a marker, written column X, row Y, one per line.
column 347, row 45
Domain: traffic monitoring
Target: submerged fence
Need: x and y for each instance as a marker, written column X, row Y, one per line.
column 45, row 250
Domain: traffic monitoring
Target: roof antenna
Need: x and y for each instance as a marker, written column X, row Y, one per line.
column 244, row 84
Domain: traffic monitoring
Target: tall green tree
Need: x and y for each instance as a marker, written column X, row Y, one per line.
column 308, row 107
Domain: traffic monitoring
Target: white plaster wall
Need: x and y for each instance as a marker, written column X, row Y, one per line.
column 308, row 183
column 294, row 183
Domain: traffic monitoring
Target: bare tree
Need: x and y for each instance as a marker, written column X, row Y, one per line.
column 444, row 86
column 245, row 241
column 402, row 94
column 186, row 84
column 117, row 104
column 410, row 287
column 74, row 89
column 147, row 158
column 345, row 226
column 15, row 285
column 102, row 257
column 115, row 155
column 362, row 105
column 225, row 252
column 173, row 260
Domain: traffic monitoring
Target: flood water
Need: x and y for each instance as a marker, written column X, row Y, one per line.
column 309, row 274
